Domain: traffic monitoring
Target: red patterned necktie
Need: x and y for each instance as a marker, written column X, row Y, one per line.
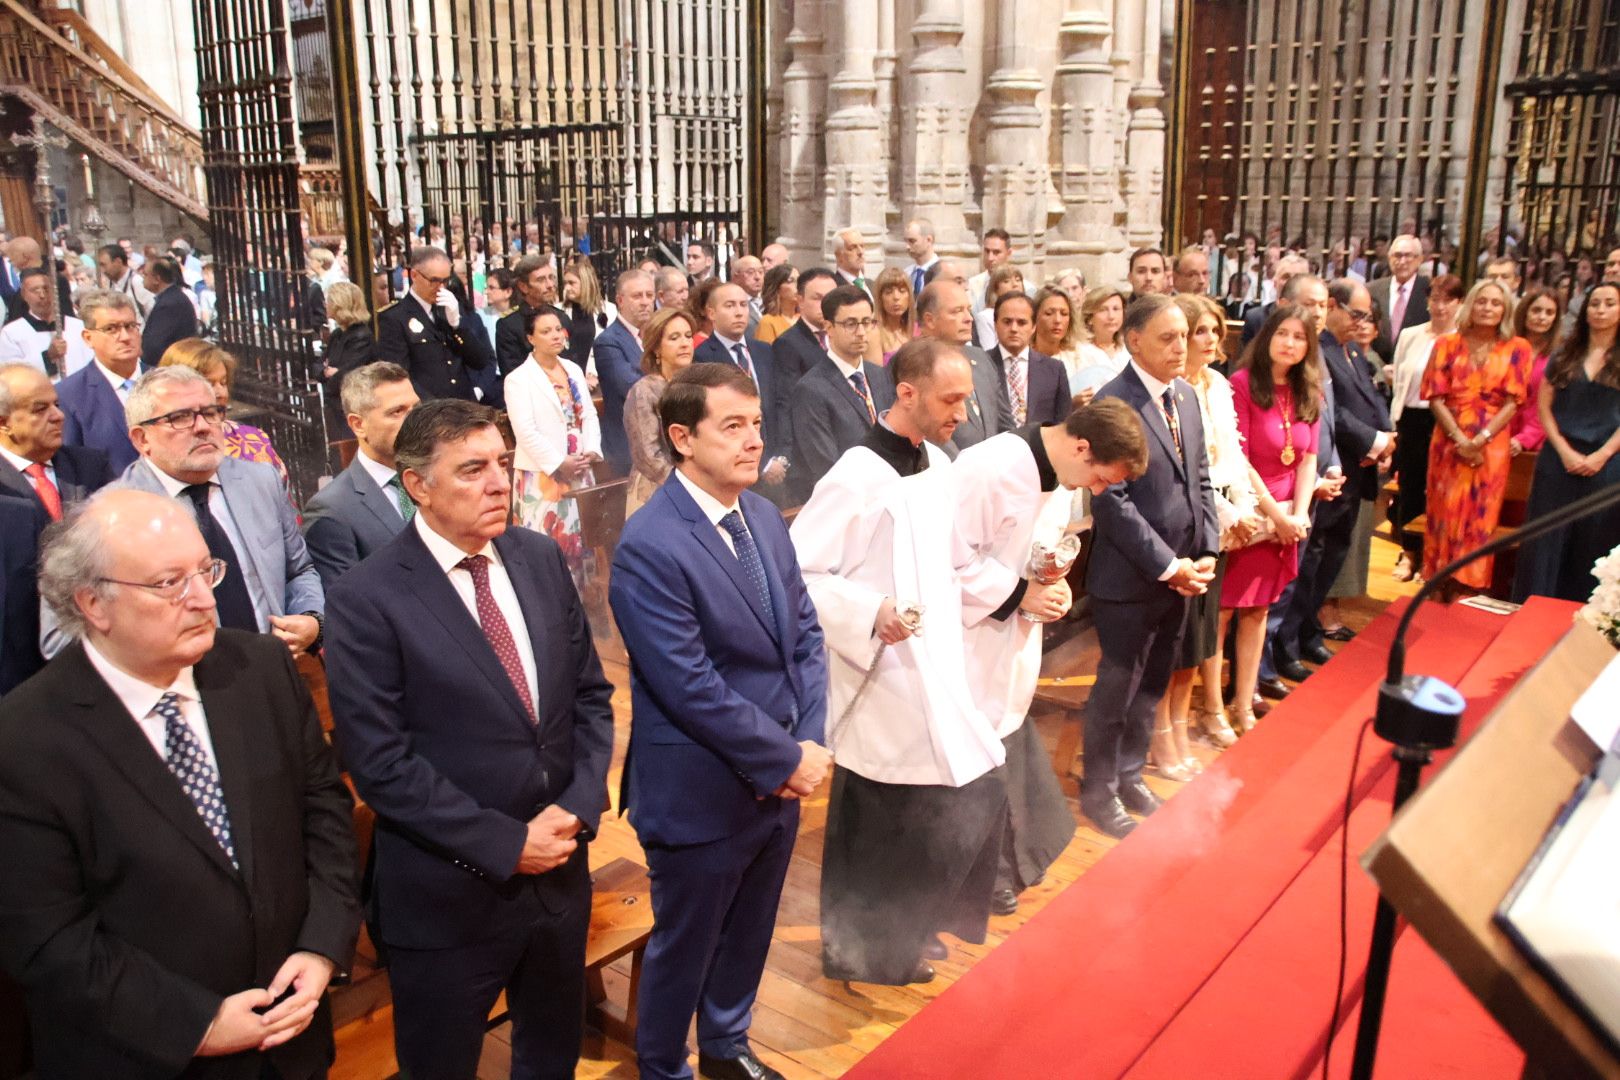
column 45, row 490
column 495, row 628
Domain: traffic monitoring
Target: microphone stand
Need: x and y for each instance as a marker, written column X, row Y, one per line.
column 1420, row 714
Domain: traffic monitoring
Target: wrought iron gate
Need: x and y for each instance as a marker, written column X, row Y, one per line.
column 251, row 167
column 611, row 128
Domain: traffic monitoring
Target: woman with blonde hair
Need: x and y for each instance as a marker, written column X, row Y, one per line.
column 352, row 346
column 779, row 300
column 896, row 315
column 242, row 441
column 1102, row 353
column 666, row 349
column 1057, row 330
column 582, row 302
column 1477, row 379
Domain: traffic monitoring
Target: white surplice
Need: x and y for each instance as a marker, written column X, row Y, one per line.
column 868, row 533
column 20, row 343
column 1001, row 510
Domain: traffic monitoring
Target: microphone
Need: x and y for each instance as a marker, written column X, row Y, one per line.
column 1421, row 712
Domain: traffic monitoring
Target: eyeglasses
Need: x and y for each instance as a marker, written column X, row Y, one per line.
column 1357, row 315
column 186, row 419
column 853, row 325
column 431, row 280
column 176, row 589
column 116, row 328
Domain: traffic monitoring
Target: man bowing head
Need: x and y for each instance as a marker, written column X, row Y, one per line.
column 474, row 718
column 729, row 699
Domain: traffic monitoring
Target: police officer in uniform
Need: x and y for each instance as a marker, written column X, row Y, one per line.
column 422, row 333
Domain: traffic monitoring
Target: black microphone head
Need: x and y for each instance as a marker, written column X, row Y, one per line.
column 1419, row 713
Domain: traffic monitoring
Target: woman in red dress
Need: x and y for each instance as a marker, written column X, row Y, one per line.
column 1477, row 379
column 1278, row 398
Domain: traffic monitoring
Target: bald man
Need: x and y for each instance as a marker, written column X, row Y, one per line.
column 773, row 255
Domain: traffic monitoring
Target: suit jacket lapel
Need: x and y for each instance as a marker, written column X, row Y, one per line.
column 432, row 589
column 272, row 577
column 107, row 726
column 1153, row 417
column 708, row 536
column 525, row 582
column 226, row 706
column 16, row 483
column 375, row 499
column 851, row 397
column 773, row 581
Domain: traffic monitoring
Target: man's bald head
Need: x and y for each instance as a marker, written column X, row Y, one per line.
column 773, row 255
column 24, row 253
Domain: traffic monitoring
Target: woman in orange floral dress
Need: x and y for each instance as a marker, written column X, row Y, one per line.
column 1476, row 380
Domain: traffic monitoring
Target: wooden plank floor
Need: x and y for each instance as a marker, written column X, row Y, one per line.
column 804, row 1025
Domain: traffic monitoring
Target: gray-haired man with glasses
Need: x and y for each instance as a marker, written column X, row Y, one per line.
column 180, row 880
column 270, row 583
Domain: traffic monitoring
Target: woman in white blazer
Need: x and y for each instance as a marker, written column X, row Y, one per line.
column 557, row 432
column 1414, row 424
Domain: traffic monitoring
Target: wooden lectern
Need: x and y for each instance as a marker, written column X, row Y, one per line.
column 1457, row 847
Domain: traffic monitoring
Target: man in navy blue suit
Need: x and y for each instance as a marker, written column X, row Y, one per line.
column 92, row 398
column 472, row 714
column 727, row 308
column 1156, row 542
column 618, row 361
column 729, row 703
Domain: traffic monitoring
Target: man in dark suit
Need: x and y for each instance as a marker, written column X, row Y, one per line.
column 618, row 361
column 178, row 843
column 365, row 506
column 22, row 520
column 945, row 312
column 1402, row 296
column 729, row 704
column 92, row 398
column 472, row 714
column 727, row 309
column 535, row 279
column 34, row 464
column 1156, row 543
column 838, row 400
column 418, row 335
column 801, row 346
column 1037, row 385
column 172, row 317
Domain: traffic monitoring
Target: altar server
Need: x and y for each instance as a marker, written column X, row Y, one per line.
column 1006, row 485
column 917, row 797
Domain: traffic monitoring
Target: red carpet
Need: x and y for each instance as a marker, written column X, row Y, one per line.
column 1206, row 944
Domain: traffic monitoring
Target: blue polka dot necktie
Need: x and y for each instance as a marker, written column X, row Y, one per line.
column 184, row 754
column 748, row 555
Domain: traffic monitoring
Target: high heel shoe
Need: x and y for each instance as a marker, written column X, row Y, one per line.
column 1404, row 570
column 1212, row 722
column 1245, row 721
column 1184, row 747
column 1164, row 762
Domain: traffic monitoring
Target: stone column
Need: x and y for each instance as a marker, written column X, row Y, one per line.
column 1088, row 174
column 857, row 190
column 886, row 70
column 803, row 97
column 936, row 105
column 1015, row 170
column 1144, row 149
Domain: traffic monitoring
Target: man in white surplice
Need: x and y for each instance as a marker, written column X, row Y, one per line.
column 914, row 817
column 1012, row 489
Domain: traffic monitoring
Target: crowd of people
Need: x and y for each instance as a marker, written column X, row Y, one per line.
column 937, row 432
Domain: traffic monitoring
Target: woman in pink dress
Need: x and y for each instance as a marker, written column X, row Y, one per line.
column 1278, row 399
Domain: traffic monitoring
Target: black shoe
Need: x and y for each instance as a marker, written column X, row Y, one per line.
column 1316, row 654
column 935, row 949
column 745, row 1066
column 1002, row 902
column 1138, row 798
column 1339, row 633
column 1275, row 689
column 1291, row 669
column 1110, row 818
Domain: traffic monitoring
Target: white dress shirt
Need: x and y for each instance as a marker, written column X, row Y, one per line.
column 448, row 555
column 22, row 465
column 713, row 509
column 221, row 511
column 381, row 474
column 140, row 697
column 117, row 381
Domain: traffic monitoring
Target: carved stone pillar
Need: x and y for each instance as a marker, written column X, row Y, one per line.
column 857, row 190
column 936, row 104
column 803, row 99
column 1088, row 168
column 1144, row 151
column 1015, row 171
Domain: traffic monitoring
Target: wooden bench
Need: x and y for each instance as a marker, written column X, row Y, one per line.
column 1515, row 505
